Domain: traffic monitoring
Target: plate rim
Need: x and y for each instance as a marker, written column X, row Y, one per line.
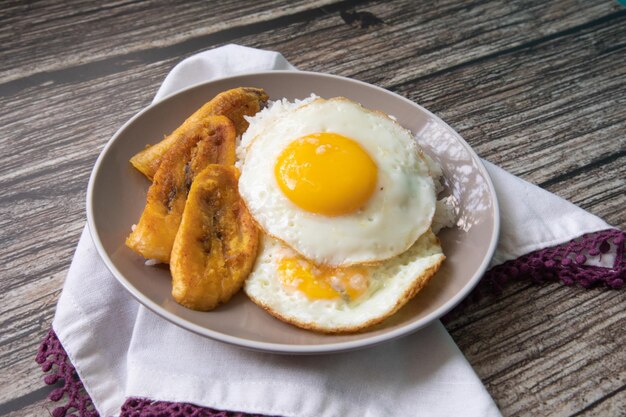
column 283, row 348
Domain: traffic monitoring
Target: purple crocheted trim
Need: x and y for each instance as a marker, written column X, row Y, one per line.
column 140, row 407
column 53, row 359
column 574, row 262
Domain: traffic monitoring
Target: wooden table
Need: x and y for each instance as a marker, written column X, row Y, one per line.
column 537, row 87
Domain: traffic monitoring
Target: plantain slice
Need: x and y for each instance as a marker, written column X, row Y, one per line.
column 216, row 244
column 211, row 141
column 234, row 104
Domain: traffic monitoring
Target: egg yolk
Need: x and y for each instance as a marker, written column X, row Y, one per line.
column 326, row 173
column 323, row 282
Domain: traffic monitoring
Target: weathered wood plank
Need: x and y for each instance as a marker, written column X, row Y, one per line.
column 547, row 349
column 601, row 190
column 613, row 404
column 33, row 407
column 419, row 39
column 89, row 31
column 24, row 324
column 480, row 28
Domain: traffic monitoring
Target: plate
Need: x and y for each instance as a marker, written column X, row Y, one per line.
column 116, row 197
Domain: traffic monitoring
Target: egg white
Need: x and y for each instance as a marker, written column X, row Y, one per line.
column 400, row 210
column 391, row 285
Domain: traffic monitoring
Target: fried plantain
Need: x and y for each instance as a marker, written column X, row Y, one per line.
column 216, row 244
column 211, row 141
column 234, row 104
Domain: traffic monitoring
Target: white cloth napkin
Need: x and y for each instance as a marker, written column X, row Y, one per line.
column 120, row 349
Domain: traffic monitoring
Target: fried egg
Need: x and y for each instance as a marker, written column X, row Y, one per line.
column 338, row 300
column 338, row 184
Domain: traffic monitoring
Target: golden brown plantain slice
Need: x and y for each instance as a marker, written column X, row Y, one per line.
column 211, row 141
column 234, row 104
column 216, row 244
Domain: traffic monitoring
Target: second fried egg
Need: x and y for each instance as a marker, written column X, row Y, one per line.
column 339, row 300
column 338, row 183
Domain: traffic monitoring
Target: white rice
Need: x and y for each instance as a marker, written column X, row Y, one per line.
column 446, row 208
column 445, row 214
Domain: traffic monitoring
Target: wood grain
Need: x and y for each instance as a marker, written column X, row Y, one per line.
column 90, row 31
column 34, row 407
column 536, row 87
column 555, row 351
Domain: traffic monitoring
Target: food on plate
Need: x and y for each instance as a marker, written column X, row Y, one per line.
column 339, row 300
column 216, row 244
column 330, row 226
column 210, row 141
column 234, row 104
column 345, row 199
column 338, row 183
